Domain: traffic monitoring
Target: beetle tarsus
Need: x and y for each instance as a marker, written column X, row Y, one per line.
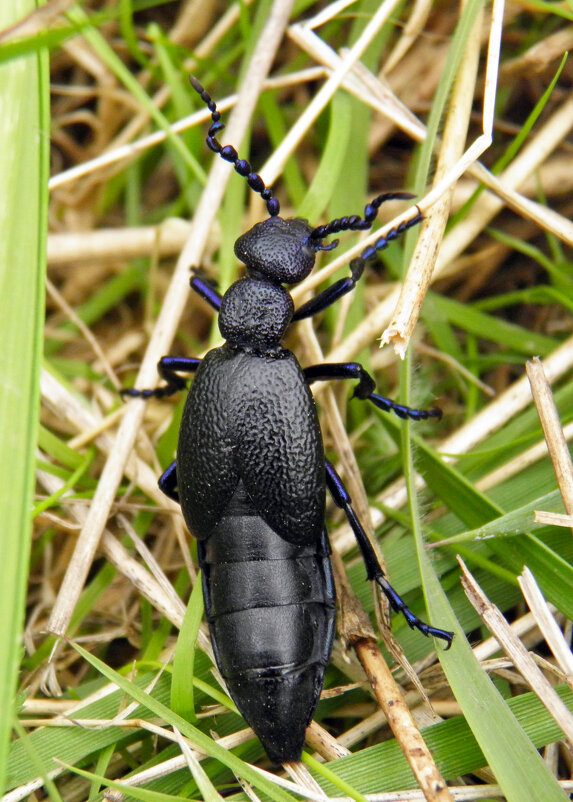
column 400, row 606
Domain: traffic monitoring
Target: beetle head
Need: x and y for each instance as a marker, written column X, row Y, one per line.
column 281, row 250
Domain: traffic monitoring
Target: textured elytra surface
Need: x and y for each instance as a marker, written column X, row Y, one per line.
column 252, row 417
column 485, row 269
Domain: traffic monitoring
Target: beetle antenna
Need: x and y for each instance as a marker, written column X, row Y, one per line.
column 370, row 252
column 229, row 154
column 356, row 223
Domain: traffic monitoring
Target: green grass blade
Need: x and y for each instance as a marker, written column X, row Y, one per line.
column 201, row 741
column 130, row 791
column 332, row 164
column 323, row 771
column 509, row 752
column 37, row 763
column 508, row 335
column 384, row 768
column 455, row 55
column 515, row 522
column 184, row 660
column 108, row 56
column 24, row 131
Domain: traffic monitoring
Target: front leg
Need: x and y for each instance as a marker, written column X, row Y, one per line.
column 168, row 368
column 332, row 294
column 374, row 571
column 365, row 388
column 206, row 290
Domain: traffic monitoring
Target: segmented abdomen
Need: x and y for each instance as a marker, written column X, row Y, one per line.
column 271, row 611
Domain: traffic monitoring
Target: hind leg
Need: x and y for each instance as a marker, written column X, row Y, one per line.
column 374, row 571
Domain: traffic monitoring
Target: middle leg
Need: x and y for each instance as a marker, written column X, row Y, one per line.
column 168, row 368
column 364, row 390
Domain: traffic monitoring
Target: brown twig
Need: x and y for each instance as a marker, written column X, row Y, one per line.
column 357, row 630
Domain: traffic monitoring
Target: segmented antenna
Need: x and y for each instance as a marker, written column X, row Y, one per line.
column 356, row 223
column 229, row 153
column 357, row 265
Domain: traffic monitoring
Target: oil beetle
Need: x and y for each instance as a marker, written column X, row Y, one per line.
column 251, row 475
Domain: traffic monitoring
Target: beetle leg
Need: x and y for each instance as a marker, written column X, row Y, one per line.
column 325, row 298
column 168, row 482
column 373, row 570
column 206, row 291
column 365, row 388
column 168, row 367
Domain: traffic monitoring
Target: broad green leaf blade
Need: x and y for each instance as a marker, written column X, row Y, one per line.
column 509, row 752
column 206, row 788
column 515, row 522
column 73, row 745
column 379, row 768
column 323, row 771
column 475, row 509
column 24, row 133
column 129, row 790
column 507, row 335
column 37, row 763
column 199, row 740
column 383, row 768
column 328, row 173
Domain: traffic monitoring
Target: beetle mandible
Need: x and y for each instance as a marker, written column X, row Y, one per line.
column 251, row 474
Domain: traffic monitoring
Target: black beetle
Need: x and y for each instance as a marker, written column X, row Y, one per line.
column 251, row 474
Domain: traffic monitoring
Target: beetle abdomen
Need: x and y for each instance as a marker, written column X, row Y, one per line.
column 271, row 610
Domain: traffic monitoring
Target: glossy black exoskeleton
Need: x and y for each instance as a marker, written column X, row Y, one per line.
column 251, row 474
